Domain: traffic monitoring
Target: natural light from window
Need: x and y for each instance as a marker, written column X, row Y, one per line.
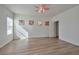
column 9, row 26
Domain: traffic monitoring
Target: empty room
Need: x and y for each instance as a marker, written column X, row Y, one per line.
column 39, row 29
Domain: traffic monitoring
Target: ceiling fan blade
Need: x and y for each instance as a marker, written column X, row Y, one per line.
column 46, row 8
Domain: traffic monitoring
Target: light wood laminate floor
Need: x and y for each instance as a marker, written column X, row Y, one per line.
column 39, row 46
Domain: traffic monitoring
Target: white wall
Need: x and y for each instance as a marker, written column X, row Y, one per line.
column 69, row 25
column 36, row 30
column 4, row 12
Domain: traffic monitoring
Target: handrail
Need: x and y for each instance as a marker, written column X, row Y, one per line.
column 21, row 33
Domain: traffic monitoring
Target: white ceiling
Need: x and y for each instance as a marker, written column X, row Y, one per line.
column 29, row 9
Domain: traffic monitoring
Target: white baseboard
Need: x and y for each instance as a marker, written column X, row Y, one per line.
column 71, row 42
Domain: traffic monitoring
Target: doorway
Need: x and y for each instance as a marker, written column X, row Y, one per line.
column 57, row 29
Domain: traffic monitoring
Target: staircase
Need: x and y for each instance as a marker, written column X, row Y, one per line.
column 20, row 32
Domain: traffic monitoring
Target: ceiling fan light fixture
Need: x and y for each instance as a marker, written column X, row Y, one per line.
column 42, row 8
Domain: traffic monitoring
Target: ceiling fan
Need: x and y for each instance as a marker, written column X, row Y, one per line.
column 42, row 8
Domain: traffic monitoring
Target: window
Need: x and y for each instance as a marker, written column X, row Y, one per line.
column 9, row 26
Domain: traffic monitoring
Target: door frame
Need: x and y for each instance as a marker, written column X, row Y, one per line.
column 56, row 26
